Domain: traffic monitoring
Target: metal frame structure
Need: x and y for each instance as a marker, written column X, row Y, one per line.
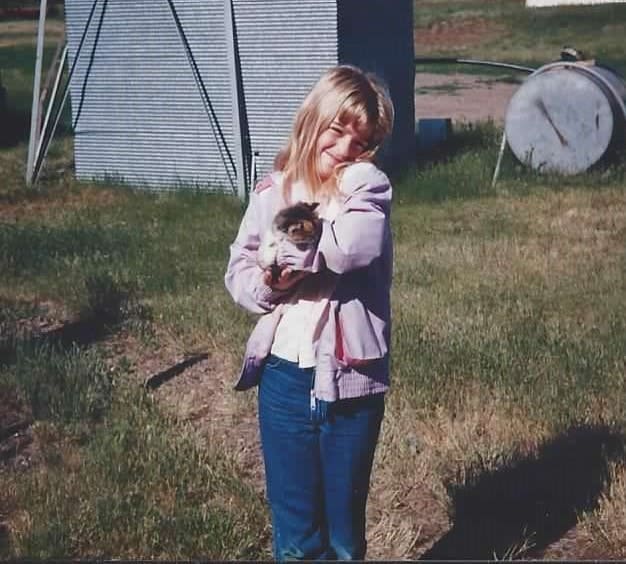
column 35, row 116
column 40, row 138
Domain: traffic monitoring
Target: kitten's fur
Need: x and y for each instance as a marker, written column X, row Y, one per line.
column 298, row 223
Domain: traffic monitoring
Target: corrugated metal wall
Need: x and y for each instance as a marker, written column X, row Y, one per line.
column 284, row 47
column 140, row 116
column 377, row 35
column 138, row 111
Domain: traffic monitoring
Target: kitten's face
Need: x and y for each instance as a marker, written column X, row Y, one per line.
column 299, row 222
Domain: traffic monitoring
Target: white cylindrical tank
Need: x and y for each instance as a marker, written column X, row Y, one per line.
column 567, row 116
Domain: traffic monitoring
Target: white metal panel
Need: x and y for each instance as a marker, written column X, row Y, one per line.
column 140, row 117
column 139, row 114
column 284, row 47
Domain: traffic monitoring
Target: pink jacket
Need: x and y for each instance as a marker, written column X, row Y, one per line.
column 354, row 259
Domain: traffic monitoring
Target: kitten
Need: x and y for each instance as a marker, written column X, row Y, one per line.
column 298, row 223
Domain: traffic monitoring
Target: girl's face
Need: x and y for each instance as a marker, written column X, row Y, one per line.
column 338, row 144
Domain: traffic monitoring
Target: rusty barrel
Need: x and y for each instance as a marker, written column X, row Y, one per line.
column 567, row 116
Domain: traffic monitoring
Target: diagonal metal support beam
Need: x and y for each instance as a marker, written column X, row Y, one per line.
column 35, row 116
column 47, row 135
column 220, row 139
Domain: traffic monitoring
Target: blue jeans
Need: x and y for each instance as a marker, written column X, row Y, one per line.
column 318, row 459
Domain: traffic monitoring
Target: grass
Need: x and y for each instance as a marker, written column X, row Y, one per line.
column 508, row 347
column 17, row 64
column 62, row 386
column 118, row 477
column 507, row 31
column 508, row 320
column 508, row 307
column 136, row 485
column 451, row 89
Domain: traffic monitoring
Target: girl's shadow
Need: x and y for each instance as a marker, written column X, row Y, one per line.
column 519, row 510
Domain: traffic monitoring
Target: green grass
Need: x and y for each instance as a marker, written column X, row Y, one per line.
column 123, row 241
column 488, row 290
column 515, row 290
column 450, row 89
column 137, row 486
column 508, row 327
column 61, row 386
column 118, row 477
column 527, row 36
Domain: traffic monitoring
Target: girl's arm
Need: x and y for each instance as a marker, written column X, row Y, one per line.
column 244, row 278
column 357, row 235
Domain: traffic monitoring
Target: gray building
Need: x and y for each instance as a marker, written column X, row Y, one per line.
column 173, row 94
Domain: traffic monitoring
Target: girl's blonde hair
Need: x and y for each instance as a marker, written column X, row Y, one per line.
column 345, row 94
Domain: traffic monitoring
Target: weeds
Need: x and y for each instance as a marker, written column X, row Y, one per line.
column 604, row 527
column 140, row 487
column 64, row 386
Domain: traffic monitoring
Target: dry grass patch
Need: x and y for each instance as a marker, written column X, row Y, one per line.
column 57, row 193
column 547, row 245
column 423, row 454
column 47, row 206
column 573, row 230
column 555, row 229
column 457, row 34
column 24, row 32
column 605, row 527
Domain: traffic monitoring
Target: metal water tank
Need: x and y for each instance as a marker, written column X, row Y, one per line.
column 567, row 116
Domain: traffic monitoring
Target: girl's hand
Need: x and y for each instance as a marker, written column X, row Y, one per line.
column 286, row 279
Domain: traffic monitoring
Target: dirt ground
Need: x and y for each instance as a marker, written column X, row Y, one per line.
column 462, row 97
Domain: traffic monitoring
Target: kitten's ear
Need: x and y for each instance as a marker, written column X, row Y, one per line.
column 313, row 205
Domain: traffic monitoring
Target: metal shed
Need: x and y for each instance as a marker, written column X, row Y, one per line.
column 173, row 94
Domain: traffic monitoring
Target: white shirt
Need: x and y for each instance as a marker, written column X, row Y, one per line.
column 295, row 336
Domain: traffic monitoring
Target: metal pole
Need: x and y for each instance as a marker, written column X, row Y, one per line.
column 53, row 96
column 457, row 61
column 66, row 89
column 496, row 172
column 234, row 93
column 35, row 111
column 255, row 155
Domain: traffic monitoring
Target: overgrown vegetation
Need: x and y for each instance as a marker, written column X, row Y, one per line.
column 117, row 476
column 508, row 403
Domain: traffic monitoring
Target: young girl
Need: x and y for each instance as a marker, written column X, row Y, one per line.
column 320, row 351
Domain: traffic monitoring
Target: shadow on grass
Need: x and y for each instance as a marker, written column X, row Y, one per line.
column 82, row 332
column 4, row 540
column 160, row 378
column 15, row 127
column 519, row 510
column 109, row 305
